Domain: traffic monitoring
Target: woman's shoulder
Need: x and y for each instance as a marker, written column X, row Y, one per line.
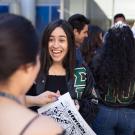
column 38, row 124
column 26, row 122
column 44, row 125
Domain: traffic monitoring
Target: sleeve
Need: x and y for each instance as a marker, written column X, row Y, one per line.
column 36, row 89
column 89, row 100
column 32, row 90
column 133, row 29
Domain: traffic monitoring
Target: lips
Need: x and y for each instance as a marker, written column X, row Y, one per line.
column 56, row 53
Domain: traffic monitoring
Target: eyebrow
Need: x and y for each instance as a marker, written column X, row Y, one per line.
column 59, row 36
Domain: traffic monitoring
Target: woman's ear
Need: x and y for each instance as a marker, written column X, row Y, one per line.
column 27, row 67
column 75, row 31
column 31, row 66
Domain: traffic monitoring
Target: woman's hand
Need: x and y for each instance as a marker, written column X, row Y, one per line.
column 46, row 97
column 76, row 104
column 42, row 99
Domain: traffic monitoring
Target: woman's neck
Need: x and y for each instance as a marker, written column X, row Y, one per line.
column 12, row 91
column 57, row 69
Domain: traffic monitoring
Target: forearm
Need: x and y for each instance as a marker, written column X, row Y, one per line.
column 42, row 99
column 31, row 101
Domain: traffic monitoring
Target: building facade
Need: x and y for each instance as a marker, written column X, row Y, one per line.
column 41, row 12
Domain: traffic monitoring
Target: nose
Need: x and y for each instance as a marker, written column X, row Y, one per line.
column 56, row 44
column 86, row 35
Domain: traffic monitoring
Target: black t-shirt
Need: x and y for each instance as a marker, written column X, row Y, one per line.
column 54, row 83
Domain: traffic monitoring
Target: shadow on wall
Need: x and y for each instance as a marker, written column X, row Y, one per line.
column 97, row 16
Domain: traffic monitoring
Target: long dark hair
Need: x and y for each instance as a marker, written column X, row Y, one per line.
column 18, row 44
column 69, row 60
column 116, row 67
column 92, row 43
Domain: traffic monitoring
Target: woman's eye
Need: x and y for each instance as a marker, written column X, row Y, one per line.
column 62, row 40
column 50, row 40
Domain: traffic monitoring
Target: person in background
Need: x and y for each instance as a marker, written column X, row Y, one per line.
column 79, row 24
column 19, row 66
column 92, row 44
column 114, row 73
column 58, row 71
column 121, row 17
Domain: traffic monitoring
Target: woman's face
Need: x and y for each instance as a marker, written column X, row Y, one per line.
column 58, row 45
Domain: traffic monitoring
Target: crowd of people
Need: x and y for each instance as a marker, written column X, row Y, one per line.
column 97, row 68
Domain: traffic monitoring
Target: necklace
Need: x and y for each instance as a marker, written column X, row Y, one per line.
column 9, row 96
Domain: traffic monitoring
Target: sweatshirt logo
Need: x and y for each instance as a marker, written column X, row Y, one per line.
column 80, row 81
column 123, row 98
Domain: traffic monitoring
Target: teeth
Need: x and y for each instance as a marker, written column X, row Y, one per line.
column 55, row 51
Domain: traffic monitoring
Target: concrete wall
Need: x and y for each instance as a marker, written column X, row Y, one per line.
column 96, row 15
column 77, row 6
column 40, row 12
column 48, row 1
column 66, row 9
column 88, row 8
column 125, row 6
column 4, row 1
column 74, row 6
column 100, row 12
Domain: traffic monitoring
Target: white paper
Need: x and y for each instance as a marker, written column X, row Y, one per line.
column 66, row 114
